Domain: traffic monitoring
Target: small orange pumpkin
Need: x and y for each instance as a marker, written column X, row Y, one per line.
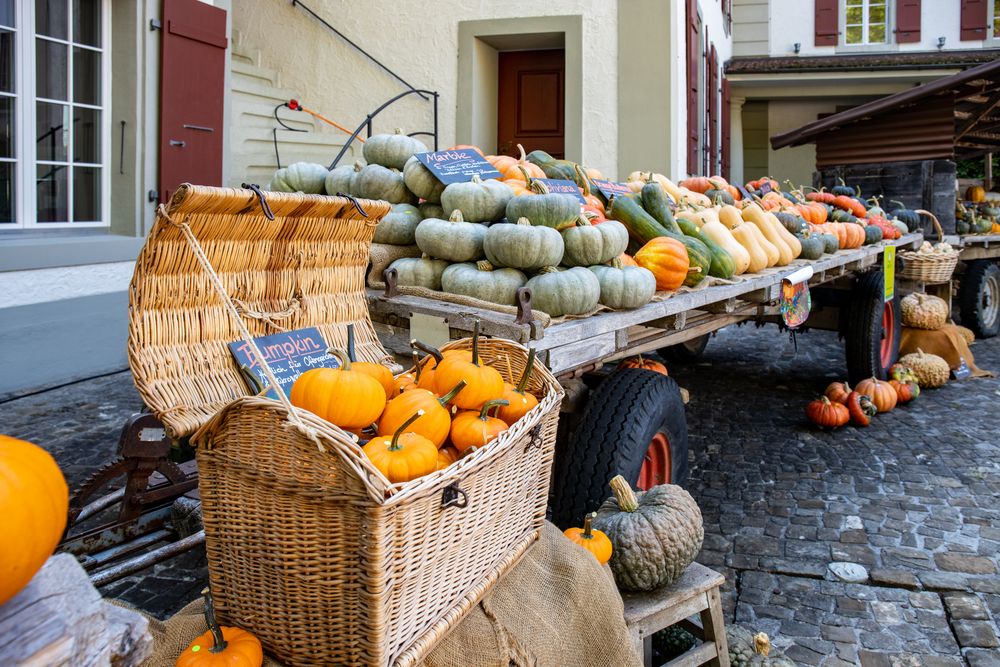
column 668, row 259
column 520, row 402
column 627, row 260
column 435, row 422
column 644, row 363
column 483, row 383
column 476, row 429
column 469, row 146
column 882, row 394
column 447, row 456
column 405, row 455
column 221, row 647
column 342, row 396
column 593, row 201
column 838, row 392
column 516, row 168
column 906, row 391
column 594, row 541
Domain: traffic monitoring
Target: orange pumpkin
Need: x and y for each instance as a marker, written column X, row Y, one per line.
column 905, row 391
column 627, row 260
column 591, row 172
column 668, row 259
column 645, row 363
column 470, row 147
column 594, row 541
column 342, row 396
column 838, row 392
column 882, row 393
column 513, row 168
column 34, row 501
column 593, row 202
column 700, row 184
column 447, row 456
column 405, row 455
column 381, row 374
column 435, row 422
column 483, row 383
column 425, row 378
column 519, row 401
column 476, row 429
column 756, row 185
column 221, row 646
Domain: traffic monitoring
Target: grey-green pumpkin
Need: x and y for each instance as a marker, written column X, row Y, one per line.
column 523, row 246
column 565, row 292
column 624, row 286
column 419, row 271
column 399, row 225
column 392, row 150
column 452, row 239
column 377, row 182
column 588, row 244
column 306, row 177
column 484, row 282
column 478, row 200
column 421, row 181
column 343, row 179
column 655, row 534
column 555, row 210
column 429, row 210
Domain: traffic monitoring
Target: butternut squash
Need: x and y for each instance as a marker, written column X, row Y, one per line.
column 771, row 250
column 743, row 233
column 793, row 243
column 730, row 216
column 716, row 231
column 755, row 215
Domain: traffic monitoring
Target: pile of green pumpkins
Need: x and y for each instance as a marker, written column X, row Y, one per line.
column 977, row 218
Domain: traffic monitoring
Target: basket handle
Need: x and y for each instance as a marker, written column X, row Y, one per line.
column 937, row 225
column 454, row 496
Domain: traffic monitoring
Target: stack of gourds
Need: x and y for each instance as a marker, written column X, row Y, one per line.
column 448, row 406
column 840, row 404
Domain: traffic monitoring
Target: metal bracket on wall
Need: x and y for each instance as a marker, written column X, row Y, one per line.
column 154, row 24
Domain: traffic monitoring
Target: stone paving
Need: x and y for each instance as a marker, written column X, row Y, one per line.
column 914, row 499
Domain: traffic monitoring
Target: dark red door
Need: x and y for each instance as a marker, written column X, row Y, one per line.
column 192, row 88
column 531, row 101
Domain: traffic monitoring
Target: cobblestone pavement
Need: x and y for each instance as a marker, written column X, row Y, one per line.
column 914, row 499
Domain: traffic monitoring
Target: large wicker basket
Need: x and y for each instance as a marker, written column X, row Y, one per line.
column 309, row 546
column 929, row 267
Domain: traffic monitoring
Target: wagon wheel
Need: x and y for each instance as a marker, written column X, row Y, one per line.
column 873, row 329
column 979, row 298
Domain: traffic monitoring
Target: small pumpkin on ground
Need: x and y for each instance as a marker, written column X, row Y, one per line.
column 342, row 396
column 905, row 391
column 483, row 383
column 594, row 541
column 827, row 414
column 861, row 408
column 477, row 429
column 838, row 392
column 880, row 392
column 519, row 401
column 434, row 424
column 392, row 150
column 930, row 370
column 221, row 646
column 655, row 534
column 644, row 363
column 902, row 373
column 403, row 456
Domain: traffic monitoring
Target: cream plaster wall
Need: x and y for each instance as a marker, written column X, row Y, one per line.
column 795, row 163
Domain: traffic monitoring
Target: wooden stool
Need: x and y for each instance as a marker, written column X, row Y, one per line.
column 696, row 592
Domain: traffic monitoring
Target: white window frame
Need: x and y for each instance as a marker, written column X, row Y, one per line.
column 26, row 170
column 889, row 16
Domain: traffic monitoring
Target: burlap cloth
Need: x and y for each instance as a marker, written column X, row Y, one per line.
column 946, row 342
column 555, row 608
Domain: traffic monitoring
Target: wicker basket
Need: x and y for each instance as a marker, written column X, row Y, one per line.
column 309, row 546
column 935, row 267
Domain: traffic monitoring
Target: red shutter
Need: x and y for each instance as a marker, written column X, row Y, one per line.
column 693, row 54
column 726, row 139
column 907, row 21
column 973, row 20
column 713, row 111
column 826, row 22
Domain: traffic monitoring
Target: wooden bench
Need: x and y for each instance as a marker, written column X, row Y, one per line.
column 696, row 592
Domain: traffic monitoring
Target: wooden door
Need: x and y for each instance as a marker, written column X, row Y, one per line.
column 531, row 101
column 192, row 89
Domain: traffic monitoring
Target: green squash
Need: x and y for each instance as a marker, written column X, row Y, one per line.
column 643, row 226
column 830, row 243
column 421, row 181
column 553, row 168
column 478, row 200
column 720, row 196
column 624, row 286
column 559, row 292
column 962, row 226
column 557, row 211
column 523, row 246
column 588, row 244
column 392, row 150
column 378, row 182
column 812, row 247
column 873, row 235
column 399, row 225
column 655, row 534
column 843, row 189
column 429, row 210
column 722, row 264
column 840, row 215
column 343, row 179
column 452, row 239
column 901, row 226
column 419, row 271
column 654, row 201
column 305, row 177
column 795, row 224
column 482, row 281
column 908, row 216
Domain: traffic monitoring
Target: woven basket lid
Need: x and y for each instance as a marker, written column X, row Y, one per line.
column 304, row 268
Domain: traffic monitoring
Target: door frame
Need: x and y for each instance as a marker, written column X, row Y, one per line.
column 479, row 42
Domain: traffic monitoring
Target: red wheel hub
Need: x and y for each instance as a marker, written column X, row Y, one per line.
column 887, row 347
column 656, row 466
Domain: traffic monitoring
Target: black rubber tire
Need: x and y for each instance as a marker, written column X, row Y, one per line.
column 611, row 438
column 687, row 352
column 974, row 290
column 865, row 330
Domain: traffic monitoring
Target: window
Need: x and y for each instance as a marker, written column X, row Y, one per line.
column 865, row 21
column 53, row 113
column 996, row 19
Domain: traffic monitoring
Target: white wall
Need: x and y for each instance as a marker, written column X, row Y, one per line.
column 22, row 288
column 793, row 163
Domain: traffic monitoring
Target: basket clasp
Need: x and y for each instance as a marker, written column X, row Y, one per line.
column 536, row 437
column 454, row 496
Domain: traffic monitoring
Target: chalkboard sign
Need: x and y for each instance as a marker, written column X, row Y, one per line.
column 289, row 354
column 765, row 187
column 563, row 187
column 743, row 192
column 609, row 188
column 458, row 165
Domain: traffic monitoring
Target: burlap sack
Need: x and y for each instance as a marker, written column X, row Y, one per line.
column 557, row 607
column 946, row 342
column 381, row 255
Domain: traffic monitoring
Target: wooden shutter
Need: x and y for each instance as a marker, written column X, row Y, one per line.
column 973, row 20
column 907, row 21
column 826, row 22
column 713, row 111
column 693, row 54
column 726, row 139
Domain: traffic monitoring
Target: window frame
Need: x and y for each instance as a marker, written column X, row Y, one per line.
column 890, row 13
column 25, row 122
column 992, row 16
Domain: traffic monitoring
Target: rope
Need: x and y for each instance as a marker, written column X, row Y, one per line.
column 269, row 317
column 213, row 277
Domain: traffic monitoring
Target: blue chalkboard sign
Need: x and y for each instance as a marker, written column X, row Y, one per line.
column 563, row 187
column 610, row 188
column 458, row 165
column 289, row 354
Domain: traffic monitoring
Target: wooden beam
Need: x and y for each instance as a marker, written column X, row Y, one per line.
column 987, row 107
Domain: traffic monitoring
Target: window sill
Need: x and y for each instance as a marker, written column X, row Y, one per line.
column 867, row 48
column 46, row 252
